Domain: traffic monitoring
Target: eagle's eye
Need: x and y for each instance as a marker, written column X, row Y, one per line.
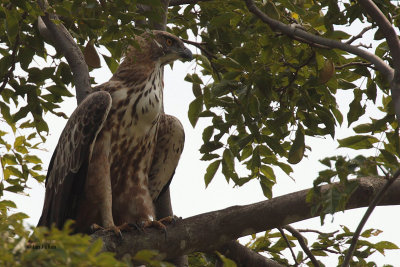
column 168, row 42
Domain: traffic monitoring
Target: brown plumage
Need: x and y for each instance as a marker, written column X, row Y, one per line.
column 118, row 150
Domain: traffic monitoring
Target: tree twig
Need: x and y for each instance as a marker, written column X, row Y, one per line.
column 185, row 2
column 288, row 245
column 351, row 64
column 199, row 46
column 364, row 219
column 243, row 256
column 302, row 243
column 316, row 232
column 358, row 36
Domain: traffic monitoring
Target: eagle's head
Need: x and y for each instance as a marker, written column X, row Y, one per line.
column 167, row 48
column 155, row 48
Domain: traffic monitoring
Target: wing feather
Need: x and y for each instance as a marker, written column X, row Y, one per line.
column 170, row 141
column 67, row 170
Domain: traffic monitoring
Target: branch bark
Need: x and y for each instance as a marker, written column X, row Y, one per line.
column 394, row 46
column 64, row 42
column 210, row 231
column 387, row 29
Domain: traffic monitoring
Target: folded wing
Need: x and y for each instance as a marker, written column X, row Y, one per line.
column 68, row 167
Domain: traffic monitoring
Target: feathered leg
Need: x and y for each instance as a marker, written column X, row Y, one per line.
column 97, row 206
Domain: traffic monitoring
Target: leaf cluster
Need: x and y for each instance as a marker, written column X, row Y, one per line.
column 43, row 247
column 267, row 93
column 332, row 245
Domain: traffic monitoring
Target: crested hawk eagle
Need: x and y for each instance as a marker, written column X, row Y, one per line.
column 118, row 150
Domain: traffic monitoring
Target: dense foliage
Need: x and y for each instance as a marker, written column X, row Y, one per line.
column 264, row 91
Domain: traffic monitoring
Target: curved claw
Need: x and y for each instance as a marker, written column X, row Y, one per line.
column 169, row 220
column 117, row 230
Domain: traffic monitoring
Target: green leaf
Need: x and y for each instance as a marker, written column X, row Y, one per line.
column 285, row 167
column 364, row 128
column 33, row 159
column 111, row 63
column 356, row 110
column 211, row 170
column 371, row 90
column 383, row 245
column 9, row 159
column 266, row 186
column 343, row 84
column 7, row 203
column 207, row 133
column 226, row 261
column 255, row 160
column 358, row 142
column 59, row 90
column 246, row 152
column 327, row 119
column 12, row 26
column 196, row 79
column 296, row 152
column 337, row 35
column 14, row 188
column 195, row 108
column 228, row 158
column 268, row 172
column 196, row 90
column 19, row 141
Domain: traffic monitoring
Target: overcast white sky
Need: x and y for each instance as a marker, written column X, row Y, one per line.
column 189, row 196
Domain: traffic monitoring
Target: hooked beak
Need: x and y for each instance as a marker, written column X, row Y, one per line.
column 186, row 54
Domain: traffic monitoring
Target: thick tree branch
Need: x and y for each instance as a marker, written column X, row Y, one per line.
column 394, row 46
column 210, row 231
column 64, row 43
column 293, row 31
column 387, row 29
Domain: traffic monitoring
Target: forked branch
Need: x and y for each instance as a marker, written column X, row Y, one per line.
column 300, row 34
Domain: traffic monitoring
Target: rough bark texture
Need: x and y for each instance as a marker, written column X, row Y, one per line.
column 210, row 231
